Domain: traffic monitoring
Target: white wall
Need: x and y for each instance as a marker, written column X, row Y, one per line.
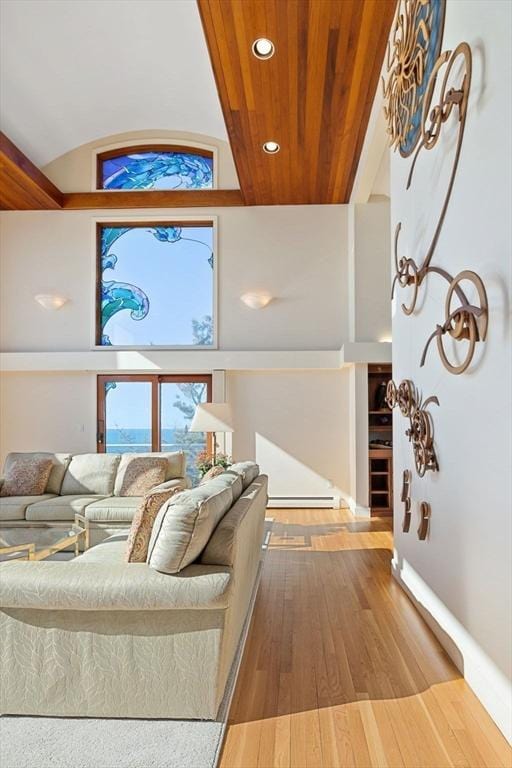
column 462, row 574
column 47, row 412
column 372, row 270
column 297, row 253
column 295, row 425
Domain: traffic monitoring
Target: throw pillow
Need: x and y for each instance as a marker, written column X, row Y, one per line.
column 213, row 472
column 142, row 524
column 138, row 475
column 26, row 476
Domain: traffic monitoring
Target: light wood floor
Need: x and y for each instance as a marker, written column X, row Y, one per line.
column 340, row 670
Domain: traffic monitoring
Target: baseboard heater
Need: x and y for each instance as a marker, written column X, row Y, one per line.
column 302, row 501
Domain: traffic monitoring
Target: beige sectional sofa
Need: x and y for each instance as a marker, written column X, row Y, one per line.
column 99, row 637
column 87, row 484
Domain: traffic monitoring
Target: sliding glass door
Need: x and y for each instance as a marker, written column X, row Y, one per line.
column 125, row 425
column 151, row 413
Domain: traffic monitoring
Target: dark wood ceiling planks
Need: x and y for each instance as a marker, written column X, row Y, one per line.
column 313, row 97
column 22, row 185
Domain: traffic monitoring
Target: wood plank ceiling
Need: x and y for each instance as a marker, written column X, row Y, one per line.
column 313, row 96
column 23, row 187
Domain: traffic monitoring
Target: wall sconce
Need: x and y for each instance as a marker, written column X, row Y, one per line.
column 256, row 300
column 50, row 301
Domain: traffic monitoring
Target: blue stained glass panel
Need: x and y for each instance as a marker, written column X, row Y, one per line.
column 157, row 285
column 433, row 10
column 157, row 170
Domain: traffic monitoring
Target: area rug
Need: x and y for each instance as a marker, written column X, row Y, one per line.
column 62, row 742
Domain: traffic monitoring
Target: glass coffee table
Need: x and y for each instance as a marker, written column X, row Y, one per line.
column 21, row 543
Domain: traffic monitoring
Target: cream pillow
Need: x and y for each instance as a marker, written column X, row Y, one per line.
column 26, row 476
column 142, row 524
column 248, row 471
column 184, row 525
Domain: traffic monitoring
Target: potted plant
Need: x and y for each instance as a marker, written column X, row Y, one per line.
column 206, row 460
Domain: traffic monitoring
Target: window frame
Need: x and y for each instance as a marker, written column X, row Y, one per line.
column 155, row 380
column 115, row 150
column 150, row 221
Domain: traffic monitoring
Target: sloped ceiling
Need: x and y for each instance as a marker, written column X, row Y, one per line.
column 313, row 97
column 72, row 72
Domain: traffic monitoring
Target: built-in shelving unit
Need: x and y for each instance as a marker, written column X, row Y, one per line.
column 380, row 437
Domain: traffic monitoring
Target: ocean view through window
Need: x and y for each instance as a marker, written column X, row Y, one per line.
column 140, row 414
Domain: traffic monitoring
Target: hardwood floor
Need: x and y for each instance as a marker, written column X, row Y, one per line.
column 339, row 668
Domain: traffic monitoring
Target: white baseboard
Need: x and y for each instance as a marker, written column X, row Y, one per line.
column 357, row 510
column 489, row 684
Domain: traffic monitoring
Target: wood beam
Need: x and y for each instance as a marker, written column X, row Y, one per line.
column 23, row 187
column 200, row 198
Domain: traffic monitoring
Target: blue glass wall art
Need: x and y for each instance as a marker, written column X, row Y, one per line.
column 164, row 170
column 156, row 285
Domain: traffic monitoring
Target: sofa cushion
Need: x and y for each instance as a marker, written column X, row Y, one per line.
column 176, row 463
column 248, row 471
column 184, row 525
column 60, row 462
column 91, row 473
column 26, row 476
column 113, row 509
column 137, row 475
column 220, row 549
column 142, row 525
column 227, row 479
column 112, row 550
column 13, row 507
column 60, row 507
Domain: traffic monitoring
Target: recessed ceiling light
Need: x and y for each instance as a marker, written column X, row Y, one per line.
column 271, row 147
column 263, row 48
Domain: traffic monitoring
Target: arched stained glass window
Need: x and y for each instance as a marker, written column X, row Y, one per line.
column 155, row 167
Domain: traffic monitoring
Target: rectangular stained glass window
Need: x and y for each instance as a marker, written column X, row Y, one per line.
column 156, row 284
column 157, row 168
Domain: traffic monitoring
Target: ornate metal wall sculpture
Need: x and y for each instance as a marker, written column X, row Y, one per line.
column 421, row 427
column 425, row 512
column 406, row 498
column 413, row 50
column 414, row 66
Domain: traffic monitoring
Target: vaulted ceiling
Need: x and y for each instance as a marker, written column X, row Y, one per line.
column 73, row 72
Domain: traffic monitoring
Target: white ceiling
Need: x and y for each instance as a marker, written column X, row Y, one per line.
column 73, row 71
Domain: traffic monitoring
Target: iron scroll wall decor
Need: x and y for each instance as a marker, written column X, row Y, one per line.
column 421, row 426
column 414, row 66
column 406, row 499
